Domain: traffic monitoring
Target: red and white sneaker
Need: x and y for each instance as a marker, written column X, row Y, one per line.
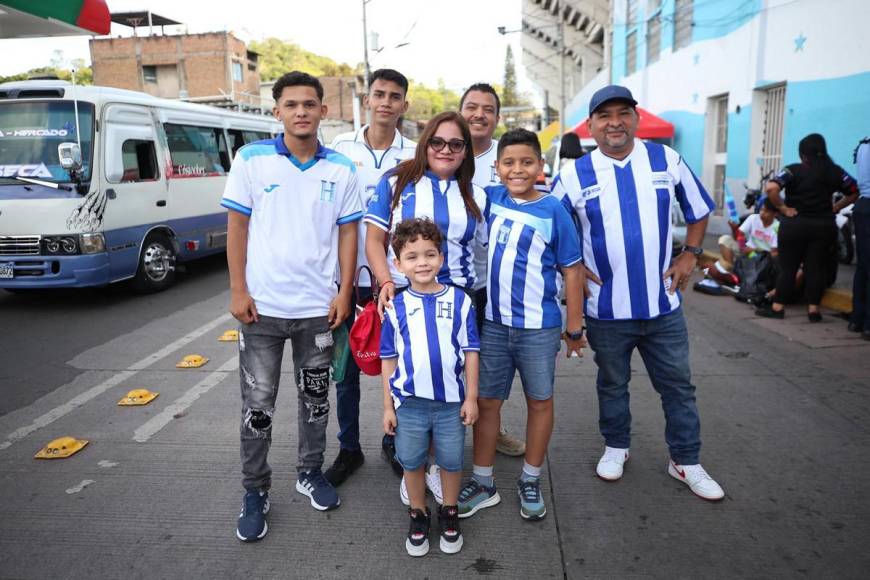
column 698, row 480
column 610, row 465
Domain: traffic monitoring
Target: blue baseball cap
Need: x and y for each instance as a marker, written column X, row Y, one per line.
column 610, row 93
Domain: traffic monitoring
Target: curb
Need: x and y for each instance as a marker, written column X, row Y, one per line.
column 833, row 298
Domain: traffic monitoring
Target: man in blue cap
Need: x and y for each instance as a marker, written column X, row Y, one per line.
column 622, row 195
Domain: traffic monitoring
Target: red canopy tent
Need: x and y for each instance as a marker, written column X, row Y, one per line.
column 649, row 127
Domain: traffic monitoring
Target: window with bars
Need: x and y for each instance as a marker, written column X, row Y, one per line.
column 631, row 52
column 653, row 38
column 683, row 11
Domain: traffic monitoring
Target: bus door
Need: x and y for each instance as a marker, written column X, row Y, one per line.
column 136, row 188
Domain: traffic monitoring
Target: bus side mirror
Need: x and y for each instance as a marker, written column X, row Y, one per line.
column 70, row 157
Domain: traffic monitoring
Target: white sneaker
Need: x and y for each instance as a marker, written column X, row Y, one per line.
column 610, row 465
column 698, row 480
column 433, row 482
column 403, row 492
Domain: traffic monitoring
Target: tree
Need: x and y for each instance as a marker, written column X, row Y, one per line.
column 509, row 97
column 278, row 57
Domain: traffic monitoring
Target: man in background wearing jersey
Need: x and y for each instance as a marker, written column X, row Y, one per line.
column 480, row 106
column 623, row 195
column 374, row 149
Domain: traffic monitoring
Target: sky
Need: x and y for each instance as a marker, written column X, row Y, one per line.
column 454, row 40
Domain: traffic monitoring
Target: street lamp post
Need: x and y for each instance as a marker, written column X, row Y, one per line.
column 368, row 71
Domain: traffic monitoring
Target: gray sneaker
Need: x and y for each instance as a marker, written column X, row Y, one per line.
column 531, row 501
column 475, row 496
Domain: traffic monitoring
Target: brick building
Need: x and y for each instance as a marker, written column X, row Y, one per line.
column 214, row 68
column 339, row 94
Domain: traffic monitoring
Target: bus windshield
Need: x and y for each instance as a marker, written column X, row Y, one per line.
column 30, row 132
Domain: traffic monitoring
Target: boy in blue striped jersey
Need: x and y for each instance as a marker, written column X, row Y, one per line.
column 429, row 353
column 531, row 239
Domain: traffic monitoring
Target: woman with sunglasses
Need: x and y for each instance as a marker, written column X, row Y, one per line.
column 435, row 184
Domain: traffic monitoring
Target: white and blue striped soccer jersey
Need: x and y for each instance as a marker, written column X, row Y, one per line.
column 484, row 176
column 429, row 334
column 624, row 210
column 440, row 201
column 296, row 210
column 528, row 241
column 371, row 166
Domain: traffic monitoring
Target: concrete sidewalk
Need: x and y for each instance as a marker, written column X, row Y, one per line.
column 785, row 414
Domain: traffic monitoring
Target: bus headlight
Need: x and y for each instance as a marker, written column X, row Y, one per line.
column 60, row 245
column 92, row 243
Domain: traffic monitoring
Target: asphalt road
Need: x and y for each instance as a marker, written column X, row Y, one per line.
column 785, row 420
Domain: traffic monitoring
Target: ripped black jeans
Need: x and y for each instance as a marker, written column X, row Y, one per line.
column 261, row 348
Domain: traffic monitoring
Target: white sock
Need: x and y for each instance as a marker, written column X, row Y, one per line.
column 530, row 471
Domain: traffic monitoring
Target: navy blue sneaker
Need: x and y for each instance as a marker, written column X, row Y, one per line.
column 252, row 521
column 315, row 485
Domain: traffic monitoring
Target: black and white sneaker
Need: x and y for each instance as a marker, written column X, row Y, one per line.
column 417, row 543
column 252, row 524
column 448, row 524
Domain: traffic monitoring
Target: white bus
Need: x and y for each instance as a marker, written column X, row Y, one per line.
column 142, row 193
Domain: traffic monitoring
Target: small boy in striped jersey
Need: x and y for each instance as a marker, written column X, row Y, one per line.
column 532, row 238
column 429, row 353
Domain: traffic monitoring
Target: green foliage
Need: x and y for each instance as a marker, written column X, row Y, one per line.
column 509, row 97
column 426, row 102
column 84, row 74
column 278, row 57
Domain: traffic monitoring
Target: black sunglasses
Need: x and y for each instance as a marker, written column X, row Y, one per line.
column 438, row 144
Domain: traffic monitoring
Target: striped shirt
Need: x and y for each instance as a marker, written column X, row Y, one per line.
column 440, row 201
column 371, row 165
column 296, row 210
column 527, row 242
column 484, row 176
column 625, row 211
column 429, row 334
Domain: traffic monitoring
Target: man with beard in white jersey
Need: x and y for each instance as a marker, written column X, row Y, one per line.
column 374, row 149
column 480, row 106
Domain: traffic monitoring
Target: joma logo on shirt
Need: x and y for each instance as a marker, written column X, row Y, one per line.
column 270, row 188
column 592, row 191
column 327, row 190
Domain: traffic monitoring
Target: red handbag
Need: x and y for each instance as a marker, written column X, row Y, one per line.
column 365, row 334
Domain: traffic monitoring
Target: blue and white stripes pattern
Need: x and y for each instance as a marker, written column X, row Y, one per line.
column 440, row 201
column 527, row 242
column 429, row 334
column 624, row 210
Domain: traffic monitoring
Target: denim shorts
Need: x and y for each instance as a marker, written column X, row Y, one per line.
column 505, row 350
column 420, row 420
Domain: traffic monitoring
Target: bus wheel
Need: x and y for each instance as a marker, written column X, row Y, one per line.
column 156, row 271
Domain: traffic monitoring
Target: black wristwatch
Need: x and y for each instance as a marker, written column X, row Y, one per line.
column 694, row 250
column 575, row 335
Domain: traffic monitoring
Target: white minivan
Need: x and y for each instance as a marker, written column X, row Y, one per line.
column 141, row 192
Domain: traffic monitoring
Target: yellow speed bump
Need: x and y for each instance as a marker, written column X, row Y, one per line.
column 60, row 448
column 138, row 397
column 230, row 336
column 191, row 361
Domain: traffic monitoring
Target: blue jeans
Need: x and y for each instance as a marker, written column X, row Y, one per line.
column 663, row 344
column 421, row 420
column 505, row 350
column 347, row 393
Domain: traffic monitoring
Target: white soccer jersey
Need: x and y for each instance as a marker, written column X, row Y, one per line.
column 624, row 209
column 295, row 210
column 440, row 201
column 528, row 241
column 371, row 166
column 484, row 176
column 429, row 334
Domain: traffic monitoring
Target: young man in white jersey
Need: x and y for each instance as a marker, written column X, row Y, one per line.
column 374, row 149
column 480, row 106
column 623, row 195
column 294, row 207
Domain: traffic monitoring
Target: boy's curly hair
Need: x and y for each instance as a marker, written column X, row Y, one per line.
column 409, row 230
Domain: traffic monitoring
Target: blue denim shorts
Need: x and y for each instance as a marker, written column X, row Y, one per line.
column 505, row 350
column 420, row 420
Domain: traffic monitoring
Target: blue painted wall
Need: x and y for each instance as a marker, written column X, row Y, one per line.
column 688, row 137
column 836, row 108
column 717, row 18
column 739, row 125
